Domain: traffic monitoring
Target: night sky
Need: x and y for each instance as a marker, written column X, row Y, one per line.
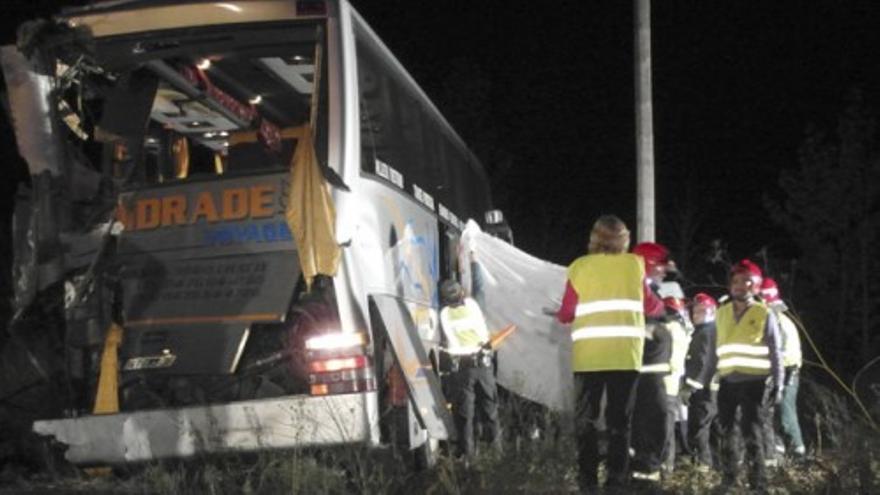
column 735, row 84
column 549, row 106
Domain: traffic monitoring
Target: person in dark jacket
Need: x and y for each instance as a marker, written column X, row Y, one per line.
column 699, row 391
column 651, row 425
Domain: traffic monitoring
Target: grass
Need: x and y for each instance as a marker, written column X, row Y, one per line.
column 846, row 459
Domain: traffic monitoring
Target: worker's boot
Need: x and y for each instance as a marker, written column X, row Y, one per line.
column 758, row 479
column 728, row 481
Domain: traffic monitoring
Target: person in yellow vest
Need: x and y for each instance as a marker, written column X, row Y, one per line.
column 473, row 380
column 792, row 360
column 750, row 370
column 606, row 300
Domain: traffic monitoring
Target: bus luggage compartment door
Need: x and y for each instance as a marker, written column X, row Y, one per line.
column 422, row 383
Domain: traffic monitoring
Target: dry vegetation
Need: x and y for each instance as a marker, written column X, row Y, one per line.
column 845, row 459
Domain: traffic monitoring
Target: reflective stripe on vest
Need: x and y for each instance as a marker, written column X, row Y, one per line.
column 740, row 344
column 656, row 368
column 609, row 305
column 608, row 330
column 462, row 351
column 695, row 384
column 752, row 350
column 743, row 362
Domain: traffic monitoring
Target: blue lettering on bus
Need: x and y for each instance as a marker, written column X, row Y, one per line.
column 248, row 233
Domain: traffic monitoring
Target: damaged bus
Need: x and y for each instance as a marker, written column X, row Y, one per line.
column 237, row 216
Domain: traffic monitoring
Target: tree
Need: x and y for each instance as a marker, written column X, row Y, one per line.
column 831, row 209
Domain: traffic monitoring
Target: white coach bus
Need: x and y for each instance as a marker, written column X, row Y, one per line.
column 187, row 118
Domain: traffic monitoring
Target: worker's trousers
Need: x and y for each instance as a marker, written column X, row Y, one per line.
column 476, row 395
column 651, row 426
column 788, row 411
column 701, row 417
column 770, row 441
column 620, row 389
column 676, row 434
column 751, row 397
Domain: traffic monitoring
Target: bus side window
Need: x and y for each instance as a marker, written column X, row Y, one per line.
column 435, row 162
column 448, row 253
column 456, row 164
column 393, row 123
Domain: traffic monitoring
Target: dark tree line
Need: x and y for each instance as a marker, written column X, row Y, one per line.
column 831, row 210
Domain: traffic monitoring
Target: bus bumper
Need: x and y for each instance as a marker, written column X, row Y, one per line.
column 266, row 424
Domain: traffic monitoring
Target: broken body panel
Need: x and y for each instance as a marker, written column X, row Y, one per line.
column 161, row 141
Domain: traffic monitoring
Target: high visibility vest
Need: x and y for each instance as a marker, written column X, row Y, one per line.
column 791, row 342
column 464, row 327
column 680, row 343
column 740, row 344
column 608, row 331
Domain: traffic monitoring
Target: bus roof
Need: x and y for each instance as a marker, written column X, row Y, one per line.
column 119, row 17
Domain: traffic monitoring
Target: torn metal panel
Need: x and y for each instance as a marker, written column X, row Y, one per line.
column 30, row 113
column 44, row 211
column 82, row 183
column 81, row 248
column 287, row 422
column 38, row 261
column 24, row 265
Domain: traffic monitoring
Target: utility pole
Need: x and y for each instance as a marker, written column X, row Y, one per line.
column 644, row 123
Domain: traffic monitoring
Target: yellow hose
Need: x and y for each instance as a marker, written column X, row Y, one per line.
column 824, row 365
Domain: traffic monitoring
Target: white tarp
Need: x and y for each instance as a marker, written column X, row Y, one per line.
column 535, row 361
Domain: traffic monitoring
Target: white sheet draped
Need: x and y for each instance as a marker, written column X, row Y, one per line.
column 535, row 361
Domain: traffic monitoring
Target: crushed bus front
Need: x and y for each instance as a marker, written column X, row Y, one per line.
column 161, row 140
column 169, row 146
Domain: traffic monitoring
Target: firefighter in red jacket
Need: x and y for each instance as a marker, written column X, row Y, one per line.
column 606, row 301
column 750, row 370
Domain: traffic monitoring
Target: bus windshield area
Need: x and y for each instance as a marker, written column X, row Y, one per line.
column 196, row 103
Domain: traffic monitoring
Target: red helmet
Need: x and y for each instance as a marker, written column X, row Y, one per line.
column 704, row 299
column 654, row 253
column 749, row 268
column 770, row 291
